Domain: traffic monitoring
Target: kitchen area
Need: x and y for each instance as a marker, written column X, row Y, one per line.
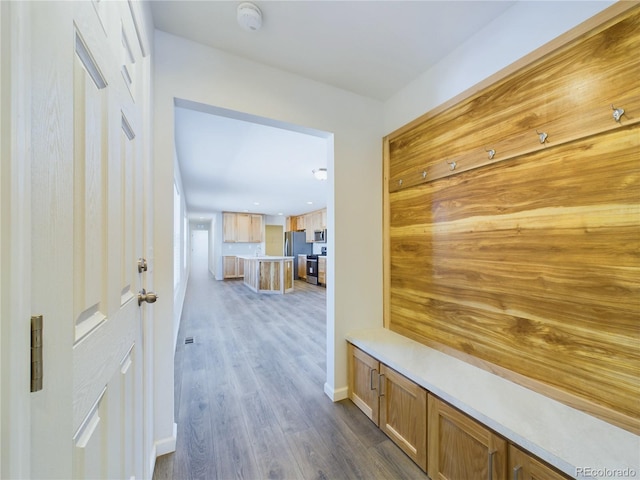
column 306, row 241
column 298, row 252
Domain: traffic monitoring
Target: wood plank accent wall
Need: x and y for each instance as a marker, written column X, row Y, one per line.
column 528, row 263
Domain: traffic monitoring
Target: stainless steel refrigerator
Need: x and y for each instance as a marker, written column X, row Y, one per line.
column 295, row 243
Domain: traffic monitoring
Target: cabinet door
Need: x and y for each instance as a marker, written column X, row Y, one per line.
column 322, row 270
column 229, row 266
column 309, row 227
column 461, row 448
column 317, row 220
column 239, row 267
column 256, row 229
column 363, row 382
column 288, row 275
column 524, row 466
column 229, row 227
column 302, row 266
column 243, row 225
column 403, row 414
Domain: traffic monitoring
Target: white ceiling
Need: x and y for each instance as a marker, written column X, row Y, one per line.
column 373, row 48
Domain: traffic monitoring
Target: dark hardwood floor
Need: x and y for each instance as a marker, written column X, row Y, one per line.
column 249, row 393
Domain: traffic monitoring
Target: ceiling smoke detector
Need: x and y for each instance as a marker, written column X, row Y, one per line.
column 249, row 16
column 320, row 173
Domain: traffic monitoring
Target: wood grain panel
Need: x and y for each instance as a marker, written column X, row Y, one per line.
column 568, row 95
column 531, row 265
column 527, row 279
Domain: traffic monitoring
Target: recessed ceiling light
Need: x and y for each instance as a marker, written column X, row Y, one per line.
column 309, row 203
column 280, row 213
column 256, row 203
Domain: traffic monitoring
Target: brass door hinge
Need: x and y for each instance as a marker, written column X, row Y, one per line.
column 36, row 353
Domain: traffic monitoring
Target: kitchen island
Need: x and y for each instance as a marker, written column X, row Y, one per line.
column 268, row 274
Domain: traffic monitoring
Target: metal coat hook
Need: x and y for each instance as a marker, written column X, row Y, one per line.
column 452, row 165
column 617, row 113
column 542, row 136
column 424, row 174
column 492, row 153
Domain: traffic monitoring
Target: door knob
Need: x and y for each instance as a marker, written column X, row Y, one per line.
column 149, row 297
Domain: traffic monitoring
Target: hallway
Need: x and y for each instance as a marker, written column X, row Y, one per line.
column 249, row 393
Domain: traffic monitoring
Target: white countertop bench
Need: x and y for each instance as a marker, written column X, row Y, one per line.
column 572, row 441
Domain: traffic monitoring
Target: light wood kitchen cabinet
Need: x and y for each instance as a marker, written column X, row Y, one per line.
column 302, row 266
column 309, row 227
column 269, row 274
column 314, row 221
column 393, row 402
column 462, row 448
column 257, row 229
column 229, row 227
column 242, row 227
column 322, row 270
column 232, row 267
column 524, row 466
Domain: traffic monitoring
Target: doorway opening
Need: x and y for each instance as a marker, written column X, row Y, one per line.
column 231, row 161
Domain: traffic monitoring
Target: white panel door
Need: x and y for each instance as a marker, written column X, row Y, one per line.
column 87, row 237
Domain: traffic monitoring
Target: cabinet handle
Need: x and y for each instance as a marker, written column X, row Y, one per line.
column 371, row 375
column 380, row 384
column 490, row 475
column 516, row 472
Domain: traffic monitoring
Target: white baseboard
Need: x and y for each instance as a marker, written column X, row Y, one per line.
column 167, row 445
column 337, row 394
column 152, row 461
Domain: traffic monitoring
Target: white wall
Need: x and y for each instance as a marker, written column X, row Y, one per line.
column 520, row 30
column 190, row 71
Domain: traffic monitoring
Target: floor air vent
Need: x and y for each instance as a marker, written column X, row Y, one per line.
column 188, row 340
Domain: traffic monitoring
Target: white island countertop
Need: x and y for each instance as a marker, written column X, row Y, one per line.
column 579, row 444
column 264, row 257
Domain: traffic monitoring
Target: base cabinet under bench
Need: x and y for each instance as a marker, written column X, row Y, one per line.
column 445, row 442
column 460, row 447
column 523, row 466
column 394, row 403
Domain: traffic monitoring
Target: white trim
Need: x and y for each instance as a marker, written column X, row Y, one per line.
column 15, row 221
column 338, row 394
column 167, row 445
column 151, row 462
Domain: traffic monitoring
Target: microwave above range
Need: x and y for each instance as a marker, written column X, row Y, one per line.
column 320, row 235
